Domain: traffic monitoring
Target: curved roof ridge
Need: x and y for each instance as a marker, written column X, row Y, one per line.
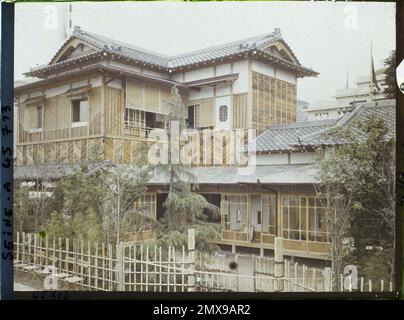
column 266, row 36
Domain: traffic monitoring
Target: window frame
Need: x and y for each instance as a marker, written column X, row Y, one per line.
column 80, row 122
column 314, row 234
column 224, row 107
column 39, row 119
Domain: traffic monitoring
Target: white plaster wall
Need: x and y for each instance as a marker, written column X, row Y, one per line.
column 227, row 125
column 323, row 114
column 123, row 66
column 223, row 69
column 177, row 77
column 285, row 76
column 223, row 90
column 35, row 94
column 275, row 158
column 78, row 84
column 204, row 93
column 241, row 84
column 303, row 157
column 263, row 68
column 51, row 92
column 96, row 82
column 156, row 74
column 199, row 74
column 117, row 84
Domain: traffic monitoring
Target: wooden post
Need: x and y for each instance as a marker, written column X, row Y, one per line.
column 304, row 277
column 168, row 270
column 254, row 278
column 278, row 265
column 327, row 283
column 183, row 267
column 47, row 248
column 350, row 283
column 174, row 271
column 313, row 279
column 89, row 264
column 147, row 269
column 18, row 248
column 191, row 260
column 96, row 266
column 237, row 276
column 24, row 257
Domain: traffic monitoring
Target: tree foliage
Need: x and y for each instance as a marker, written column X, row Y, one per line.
column 123, row 186
column 357, row 176
column 184, row 208
column 390, row 74
column 96, row 201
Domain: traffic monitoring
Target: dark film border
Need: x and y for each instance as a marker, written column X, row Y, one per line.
column 6, row 199
column 6, row 146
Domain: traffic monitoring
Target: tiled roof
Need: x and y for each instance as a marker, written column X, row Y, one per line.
column 283, row 137
column 251, row 46
column 273, row 174
column 268, row 174
column 311, row 133
column 385, row 109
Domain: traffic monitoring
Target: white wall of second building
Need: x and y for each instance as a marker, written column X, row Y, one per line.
column 223, row 101
column 199, row 74
column 203, row 93
column 284, row 158
column 273, row 158
column 223, row 69
column 241, row 84
column 285, row 76
column 324, row 114
column 263, row 68
column 302, row 157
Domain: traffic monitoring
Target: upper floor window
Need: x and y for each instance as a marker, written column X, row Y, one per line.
column 80, row 110
column 38, row 117
column 223, row 113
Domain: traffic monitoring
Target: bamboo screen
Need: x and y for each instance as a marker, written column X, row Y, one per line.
column 240, row 111
column 273, row 101
column 207, row 113
column 147, row 98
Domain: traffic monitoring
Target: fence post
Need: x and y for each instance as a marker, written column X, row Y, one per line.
column 120, row 266
column 327, row 284
column 191, row 260
column 278, row 265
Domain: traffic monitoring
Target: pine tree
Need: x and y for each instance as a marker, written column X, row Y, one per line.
column 184, row 207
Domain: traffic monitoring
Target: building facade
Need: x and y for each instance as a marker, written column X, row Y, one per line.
column 99, row 91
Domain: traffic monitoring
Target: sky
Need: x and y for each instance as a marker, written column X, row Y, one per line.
column 332, row 38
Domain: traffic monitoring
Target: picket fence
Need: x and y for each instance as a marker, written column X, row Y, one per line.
column 82, row 265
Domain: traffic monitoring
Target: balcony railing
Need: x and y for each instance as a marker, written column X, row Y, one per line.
column 27, row 136
column 137, row 129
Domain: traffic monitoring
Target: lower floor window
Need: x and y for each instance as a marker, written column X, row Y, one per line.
column 304, row 218
column 234, row 212
column 146, row 205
